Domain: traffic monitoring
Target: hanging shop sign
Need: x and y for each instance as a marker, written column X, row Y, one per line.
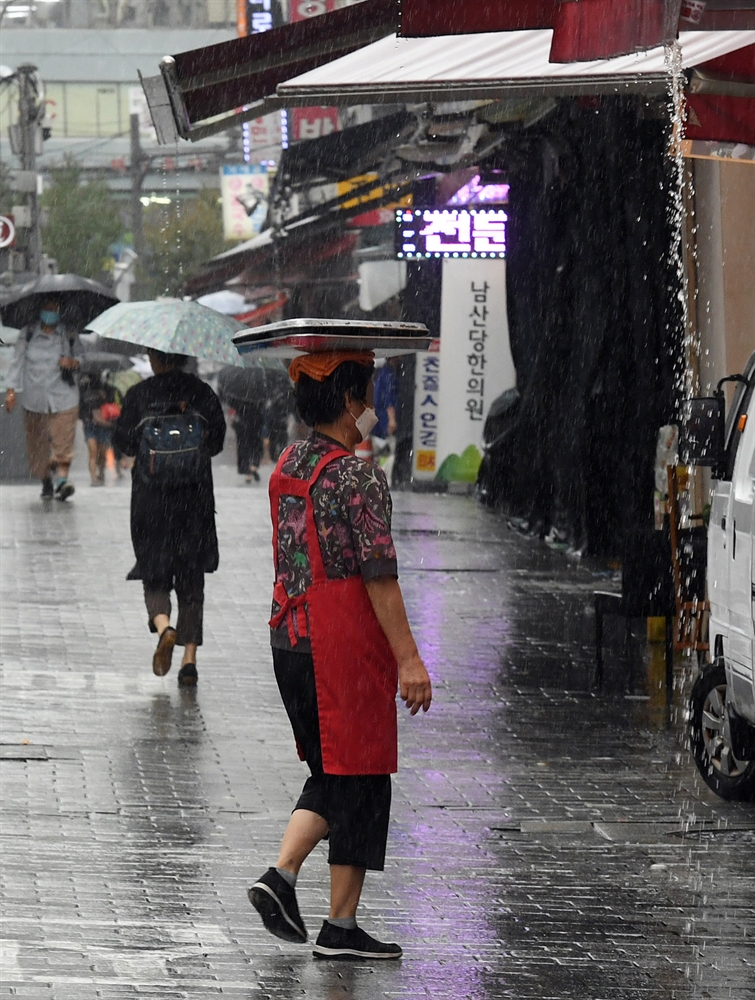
column 253, row 16
column 263, row 133
column 313, row 123
column 426, row 413
column 434, row 232
column 244, row 191
column 476, row 365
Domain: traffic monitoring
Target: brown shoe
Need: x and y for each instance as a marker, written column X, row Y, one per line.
column 164, row 652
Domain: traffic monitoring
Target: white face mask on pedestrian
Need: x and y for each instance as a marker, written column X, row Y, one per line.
column 366, row 421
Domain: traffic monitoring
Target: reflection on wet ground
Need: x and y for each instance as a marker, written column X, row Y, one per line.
column 549, row 840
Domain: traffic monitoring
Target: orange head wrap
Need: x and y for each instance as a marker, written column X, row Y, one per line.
column 319, row 366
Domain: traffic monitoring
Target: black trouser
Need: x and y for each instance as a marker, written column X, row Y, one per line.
column 277, row 434
column 356, row 807
column 249, row 447
column 189, row 588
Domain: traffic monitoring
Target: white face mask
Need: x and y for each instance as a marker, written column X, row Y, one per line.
column 366, row 421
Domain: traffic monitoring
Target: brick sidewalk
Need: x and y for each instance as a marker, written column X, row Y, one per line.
column 546, row 843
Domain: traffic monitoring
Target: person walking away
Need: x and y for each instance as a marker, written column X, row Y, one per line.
column 341, row 645
column 45, row 358
column 278, row 406
column 173, row 424
column 247, row 426
column 97, row 412
column 386, row 399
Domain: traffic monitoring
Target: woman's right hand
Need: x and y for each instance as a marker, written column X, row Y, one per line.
column 10, row 399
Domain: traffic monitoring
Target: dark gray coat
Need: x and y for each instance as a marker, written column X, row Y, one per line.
column 171, row 529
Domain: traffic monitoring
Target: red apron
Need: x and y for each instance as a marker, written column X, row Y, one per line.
column 356, row 674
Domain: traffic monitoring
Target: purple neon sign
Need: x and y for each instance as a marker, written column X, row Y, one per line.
column 434, row 232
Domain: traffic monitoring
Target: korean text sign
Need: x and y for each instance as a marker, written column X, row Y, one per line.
column 426, row 413
column 476, row 364
column 456, row 233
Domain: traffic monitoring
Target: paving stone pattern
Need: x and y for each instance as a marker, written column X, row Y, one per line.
column 547, row 841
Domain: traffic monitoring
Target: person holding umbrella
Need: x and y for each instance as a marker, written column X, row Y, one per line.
column 341, row 647
column 172, row 424
column 49, row 311
column 45, row 358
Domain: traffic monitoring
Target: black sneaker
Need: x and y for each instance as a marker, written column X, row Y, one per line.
column 48, row 490
column 337, row 942
column 275, row 901
column 65, row 490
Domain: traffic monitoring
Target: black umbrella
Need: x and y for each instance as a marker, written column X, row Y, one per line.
column 97, row 362
column 252, row 384
column 241, row 385
column 81, row 299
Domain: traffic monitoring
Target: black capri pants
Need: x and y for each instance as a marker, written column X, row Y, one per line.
column 356, row 807
column 189, row 587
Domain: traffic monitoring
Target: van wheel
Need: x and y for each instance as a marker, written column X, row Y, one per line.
column 710, row 740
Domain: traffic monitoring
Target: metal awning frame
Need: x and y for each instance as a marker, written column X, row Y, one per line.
column 471, row 90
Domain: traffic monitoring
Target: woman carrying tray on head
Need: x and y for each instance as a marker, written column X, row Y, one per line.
column 341, row 647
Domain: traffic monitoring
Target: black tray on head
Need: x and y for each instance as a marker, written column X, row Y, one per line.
column 311, row 336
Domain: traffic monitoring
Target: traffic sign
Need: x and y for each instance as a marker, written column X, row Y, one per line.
column 7, row 232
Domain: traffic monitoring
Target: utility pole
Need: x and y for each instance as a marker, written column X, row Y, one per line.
column 139, row 161
column 29, row 135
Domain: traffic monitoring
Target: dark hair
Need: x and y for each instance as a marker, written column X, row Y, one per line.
column 169, row 360
column 323, row 402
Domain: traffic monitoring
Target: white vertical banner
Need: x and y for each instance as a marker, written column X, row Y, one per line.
column 475, row 360
column 426, row 410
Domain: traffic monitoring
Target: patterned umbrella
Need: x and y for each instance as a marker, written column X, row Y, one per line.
column 174, row 328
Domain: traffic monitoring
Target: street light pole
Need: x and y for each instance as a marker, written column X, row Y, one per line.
column 137, row 165
column 29, row 129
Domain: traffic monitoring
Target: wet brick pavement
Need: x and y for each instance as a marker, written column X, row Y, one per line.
column 546, row 842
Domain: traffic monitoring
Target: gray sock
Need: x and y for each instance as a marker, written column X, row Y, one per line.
column 288, row 876
column 348, row 923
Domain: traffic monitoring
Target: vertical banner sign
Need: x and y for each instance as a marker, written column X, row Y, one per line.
column 426, row 409
column 314, row 122
column 475, row 360
column 244, row 190
column 252, row 17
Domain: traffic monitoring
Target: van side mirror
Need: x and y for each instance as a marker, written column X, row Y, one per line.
column 703, row 431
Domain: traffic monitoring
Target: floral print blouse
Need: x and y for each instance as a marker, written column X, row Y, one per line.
column 352, row 506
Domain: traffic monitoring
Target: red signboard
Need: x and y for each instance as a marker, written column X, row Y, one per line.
column 313, row 123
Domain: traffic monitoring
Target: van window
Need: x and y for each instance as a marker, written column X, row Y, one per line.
column 745, row 473
column 743, row 403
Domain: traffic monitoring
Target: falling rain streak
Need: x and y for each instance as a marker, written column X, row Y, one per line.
column 678, row 115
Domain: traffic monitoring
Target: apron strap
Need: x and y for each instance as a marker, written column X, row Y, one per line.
column 274, row 493
column 282, row 485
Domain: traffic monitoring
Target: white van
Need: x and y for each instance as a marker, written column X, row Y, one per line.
column 722, row 705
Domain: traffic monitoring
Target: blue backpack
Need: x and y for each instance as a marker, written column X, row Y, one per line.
column 172, row 451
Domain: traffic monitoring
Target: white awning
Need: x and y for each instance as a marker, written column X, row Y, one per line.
column 485, row 66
